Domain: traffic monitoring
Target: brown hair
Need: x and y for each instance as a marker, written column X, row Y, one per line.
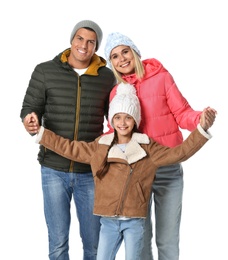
column 102, row 172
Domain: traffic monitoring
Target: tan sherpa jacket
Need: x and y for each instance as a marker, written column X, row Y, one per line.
column 125, row 190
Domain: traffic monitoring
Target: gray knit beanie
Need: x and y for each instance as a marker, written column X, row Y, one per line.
column 125, row 101
column 93, row 26
column 116, row 39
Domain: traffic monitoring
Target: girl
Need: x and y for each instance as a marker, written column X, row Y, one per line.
column 123, row 165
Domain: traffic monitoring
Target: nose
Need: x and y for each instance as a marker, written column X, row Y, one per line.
column 84, row 44
column 122, row 57
column 122, row 122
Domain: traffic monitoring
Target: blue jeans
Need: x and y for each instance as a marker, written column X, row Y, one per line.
column 114, row 231
column 58, row 189
column 167, row 196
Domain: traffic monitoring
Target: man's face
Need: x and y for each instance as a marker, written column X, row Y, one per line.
column 83, row 47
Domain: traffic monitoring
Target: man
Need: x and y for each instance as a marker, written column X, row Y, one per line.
column 69, row 95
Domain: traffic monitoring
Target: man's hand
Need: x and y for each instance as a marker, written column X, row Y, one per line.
column 31, row 123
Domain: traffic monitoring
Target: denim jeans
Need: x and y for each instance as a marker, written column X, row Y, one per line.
column 167, row 196
column 114, row 231
column 58, row 189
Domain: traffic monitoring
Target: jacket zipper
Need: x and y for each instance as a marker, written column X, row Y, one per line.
column 125, row 192
column 77, row 112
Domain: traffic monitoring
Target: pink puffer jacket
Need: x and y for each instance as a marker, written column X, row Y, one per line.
column 163, row 107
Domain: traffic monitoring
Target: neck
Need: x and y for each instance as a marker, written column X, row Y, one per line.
column 77, row 64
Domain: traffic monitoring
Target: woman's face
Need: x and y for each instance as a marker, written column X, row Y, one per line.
column 123, row 60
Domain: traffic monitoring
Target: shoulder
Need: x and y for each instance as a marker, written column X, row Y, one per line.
column 140, row 138
column 153, row 66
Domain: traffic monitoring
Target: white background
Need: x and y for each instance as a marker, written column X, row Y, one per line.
column 188, row 37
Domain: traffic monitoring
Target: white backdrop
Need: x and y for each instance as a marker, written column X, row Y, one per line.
column 188, row 37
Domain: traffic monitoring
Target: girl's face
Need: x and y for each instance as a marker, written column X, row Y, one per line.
column 123, row 60
column 123, row 124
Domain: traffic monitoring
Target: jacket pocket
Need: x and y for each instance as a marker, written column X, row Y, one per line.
column 140, row 192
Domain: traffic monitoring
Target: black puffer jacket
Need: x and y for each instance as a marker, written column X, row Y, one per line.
column 70, row 105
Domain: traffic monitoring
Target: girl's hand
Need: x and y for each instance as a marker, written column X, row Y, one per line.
column 207, row 118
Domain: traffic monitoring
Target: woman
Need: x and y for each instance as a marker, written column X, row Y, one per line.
column 164, row 112
column 123, row 165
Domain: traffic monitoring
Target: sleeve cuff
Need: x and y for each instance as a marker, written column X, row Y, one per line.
column 203, row 132
column 39, row 135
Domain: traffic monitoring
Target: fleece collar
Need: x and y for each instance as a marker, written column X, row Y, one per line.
column 133, row 151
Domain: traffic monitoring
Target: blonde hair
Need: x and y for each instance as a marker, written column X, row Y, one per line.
column 139, row 69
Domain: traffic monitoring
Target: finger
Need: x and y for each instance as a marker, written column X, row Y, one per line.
column 210, row 114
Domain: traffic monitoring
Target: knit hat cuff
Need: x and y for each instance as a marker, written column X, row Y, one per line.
column 89, row 24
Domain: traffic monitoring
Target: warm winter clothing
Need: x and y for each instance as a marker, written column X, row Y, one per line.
column 126, row 188
column 116, row 39
column 125, row 101
column 163, row 107
column 72, row 106
column 88, row 24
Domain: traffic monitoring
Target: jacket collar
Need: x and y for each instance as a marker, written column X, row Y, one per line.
column 151, row 66
column 133, row 151
column 95, row 64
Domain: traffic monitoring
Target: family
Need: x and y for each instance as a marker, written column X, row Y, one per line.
column 113, row 177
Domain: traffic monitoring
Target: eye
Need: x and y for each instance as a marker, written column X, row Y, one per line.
column 117, row 117
column 114, row 57
column 93, row 42
column 79, row 38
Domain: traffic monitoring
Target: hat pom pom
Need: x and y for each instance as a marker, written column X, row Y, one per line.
column 126, row 89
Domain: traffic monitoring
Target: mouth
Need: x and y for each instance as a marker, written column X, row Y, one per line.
column 122, row 128
column 81, row 51
column 125, row 65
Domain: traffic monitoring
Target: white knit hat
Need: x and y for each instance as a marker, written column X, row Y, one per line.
column 125, row 101
column 116, row 39
column 92, row 25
